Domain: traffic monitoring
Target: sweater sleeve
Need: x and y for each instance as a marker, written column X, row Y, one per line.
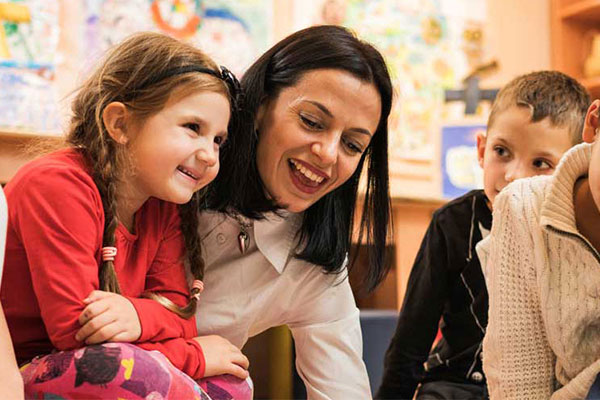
column 58, row 217
column 185, row 354
column 166, row 277
column 419, row 318
column 517, row 358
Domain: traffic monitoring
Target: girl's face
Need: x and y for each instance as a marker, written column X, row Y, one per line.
column 176, row 151
column 312, row 136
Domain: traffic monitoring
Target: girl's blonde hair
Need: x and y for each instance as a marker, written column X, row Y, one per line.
column 138, row 73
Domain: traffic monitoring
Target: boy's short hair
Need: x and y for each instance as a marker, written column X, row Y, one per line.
column 547, row 94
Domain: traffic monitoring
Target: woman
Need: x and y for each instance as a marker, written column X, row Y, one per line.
column 278, row 229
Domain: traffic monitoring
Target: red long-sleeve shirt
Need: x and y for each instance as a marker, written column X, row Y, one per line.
column 54, row 240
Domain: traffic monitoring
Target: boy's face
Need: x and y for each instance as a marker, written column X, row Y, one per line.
column 514, row 147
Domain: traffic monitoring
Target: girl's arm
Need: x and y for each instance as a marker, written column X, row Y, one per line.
column 11, row 382
column 165, row 277
column 57, row 218
column 517, row 358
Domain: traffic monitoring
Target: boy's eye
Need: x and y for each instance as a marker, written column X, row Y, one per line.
column 310, row 123
column 501, row 151
column 542, row 164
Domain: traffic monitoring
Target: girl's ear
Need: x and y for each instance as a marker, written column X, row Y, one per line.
column 115, row 117
column 592, row 122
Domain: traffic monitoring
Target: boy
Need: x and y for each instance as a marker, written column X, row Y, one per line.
column 534, row 120
column 543, row 274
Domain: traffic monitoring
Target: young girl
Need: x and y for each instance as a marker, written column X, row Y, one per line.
column 543, row 280
column 95, row 247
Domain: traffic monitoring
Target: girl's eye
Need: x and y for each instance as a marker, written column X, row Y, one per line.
column 542, row 164
column 220, row 140
column 193, row 127
column 310, row 123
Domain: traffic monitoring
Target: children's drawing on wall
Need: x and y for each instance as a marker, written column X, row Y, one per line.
column 29, row 33
column 460, row 168
column 233, row 32
column 429, row 46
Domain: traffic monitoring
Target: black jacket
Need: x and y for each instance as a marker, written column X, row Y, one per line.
column 446, row 289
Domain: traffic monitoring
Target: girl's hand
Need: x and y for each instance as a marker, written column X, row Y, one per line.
column 222, row 357
column 108, row 317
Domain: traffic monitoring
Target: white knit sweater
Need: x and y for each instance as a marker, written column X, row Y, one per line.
column 543, row 276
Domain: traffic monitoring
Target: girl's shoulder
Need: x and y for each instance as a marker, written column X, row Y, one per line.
column 62, row 172
column 63, row 162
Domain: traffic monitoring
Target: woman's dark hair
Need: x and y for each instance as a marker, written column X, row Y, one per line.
column 327, row 227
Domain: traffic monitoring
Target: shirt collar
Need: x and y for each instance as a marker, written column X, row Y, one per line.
column 558, row 210
column 276, row 236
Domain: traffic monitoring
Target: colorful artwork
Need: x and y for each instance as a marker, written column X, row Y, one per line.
column 425, row 46
column 29, row 34
column 460, row 169
column 232, row 32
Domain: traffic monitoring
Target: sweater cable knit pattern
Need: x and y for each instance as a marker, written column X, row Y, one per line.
column 543, row 280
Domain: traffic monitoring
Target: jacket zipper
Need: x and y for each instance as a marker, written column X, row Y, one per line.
column 578, row 237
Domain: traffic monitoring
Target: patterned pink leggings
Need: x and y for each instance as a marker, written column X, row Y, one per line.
column 122, row 371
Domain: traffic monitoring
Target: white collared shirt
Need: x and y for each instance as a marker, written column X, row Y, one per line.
column 266, row 287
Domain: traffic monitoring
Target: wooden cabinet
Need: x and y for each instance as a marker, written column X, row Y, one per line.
column 572, row 25
column 16, row 150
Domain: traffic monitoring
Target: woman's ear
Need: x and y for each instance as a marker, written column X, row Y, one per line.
column 592, row 122
column 115, row 117
column 260, row 115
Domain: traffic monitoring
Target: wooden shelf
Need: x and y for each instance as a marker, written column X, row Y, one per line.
column 19, row 134
column 584, row 10
column 592, row 85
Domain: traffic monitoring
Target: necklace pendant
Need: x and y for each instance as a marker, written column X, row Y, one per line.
column 243, row 240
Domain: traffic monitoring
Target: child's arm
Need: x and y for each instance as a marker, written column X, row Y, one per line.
column 166, row 277
column 58, row 220
column 517, row 358
column 11, row 383
column 426, row 294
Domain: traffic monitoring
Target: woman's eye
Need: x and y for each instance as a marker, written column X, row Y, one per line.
column 310, row 123
column 354, row 148
column 542, row 164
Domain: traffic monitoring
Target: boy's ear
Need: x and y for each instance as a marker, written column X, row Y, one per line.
column 481, row 140
column 115, row 117
column 592, row 122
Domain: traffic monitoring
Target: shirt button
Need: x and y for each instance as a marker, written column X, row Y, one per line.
column 221, row 238
column 477, row 376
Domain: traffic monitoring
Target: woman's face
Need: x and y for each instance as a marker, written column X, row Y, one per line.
column 311, row 137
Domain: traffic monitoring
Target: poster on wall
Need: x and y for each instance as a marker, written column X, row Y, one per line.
column 460, row 168
column 429, row 46
column 233, row 32
column 29, row 33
